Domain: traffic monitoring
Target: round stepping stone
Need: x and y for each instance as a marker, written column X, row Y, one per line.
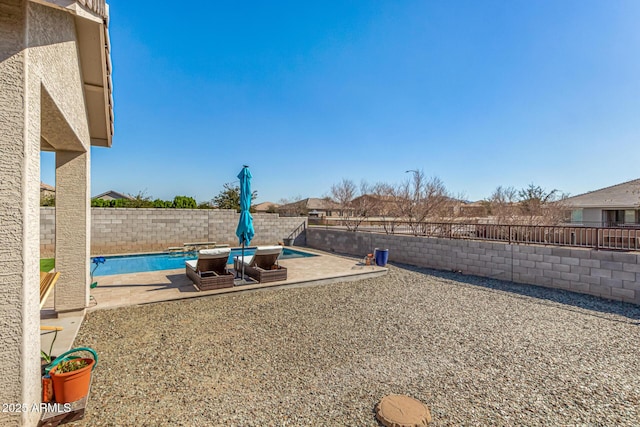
column 398, row 410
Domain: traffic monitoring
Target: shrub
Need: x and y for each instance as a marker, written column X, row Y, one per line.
column 184, row 202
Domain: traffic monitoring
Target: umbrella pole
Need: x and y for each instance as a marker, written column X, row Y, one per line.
column 243, row 260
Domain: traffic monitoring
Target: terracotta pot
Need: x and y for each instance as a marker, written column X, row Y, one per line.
column 71, row 386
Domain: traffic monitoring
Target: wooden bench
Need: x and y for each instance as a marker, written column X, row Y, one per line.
column 47, row 282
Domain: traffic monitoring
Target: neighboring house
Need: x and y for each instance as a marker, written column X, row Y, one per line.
column 373, row 205
column 55, row 95
column 618, row 205
column 112, row 195
column 47, row 190
column 266, row 207
column 472, row 209
column 311, row 207
column 382, row 206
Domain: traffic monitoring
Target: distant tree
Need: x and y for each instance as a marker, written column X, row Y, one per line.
column 388, row 208
column 47, row 200
column 204, row 205
column 356, row 203
column 159, row 203
column 101, row 203
column 343, row 194
column 541, row 207
column 365, row 205
column 502, row 205
column 293, row 206
column 229, row 197
column 534, row 197
column 140, row 200
column 419, row 199
column 184, row 202
column 272, row 209
column 532, row 205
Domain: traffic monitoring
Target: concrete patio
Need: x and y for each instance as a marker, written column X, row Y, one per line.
column 151, row 287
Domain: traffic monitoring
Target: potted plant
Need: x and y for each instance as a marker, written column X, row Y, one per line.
column 71, row 376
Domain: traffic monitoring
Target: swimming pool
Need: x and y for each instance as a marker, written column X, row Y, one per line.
column 123, row 264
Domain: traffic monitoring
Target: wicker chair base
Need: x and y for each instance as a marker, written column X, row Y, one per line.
column 266, row 276
column 207, row 281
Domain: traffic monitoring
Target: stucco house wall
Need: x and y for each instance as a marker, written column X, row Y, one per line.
column 19, row 172
column 42, row 107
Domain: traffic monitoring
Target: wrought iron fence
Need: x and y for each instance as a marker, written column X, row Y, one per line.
column 611, row 238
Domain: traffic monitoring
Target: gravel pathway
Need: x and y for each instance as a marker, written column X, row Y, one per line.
column 476, row 351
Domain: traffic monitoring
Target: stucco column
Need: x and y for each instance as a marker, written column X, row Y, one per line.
column 19, row 223
column 73, row 230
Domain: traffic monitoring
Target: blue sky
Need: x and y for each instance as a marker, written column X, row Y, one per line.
column 478, row 93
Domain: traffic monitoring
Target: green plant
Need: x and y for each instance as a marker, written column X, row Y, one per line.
column 101, row 203
column 71, row 365
column 47, row 200
column 184, row 202
column 229, row 197
column 159, row 203
column 47, row 356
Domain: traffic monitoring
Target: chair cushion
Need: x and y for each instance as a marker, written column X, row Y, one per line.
column 268, row 250
column 214, row 253
column 247, row 259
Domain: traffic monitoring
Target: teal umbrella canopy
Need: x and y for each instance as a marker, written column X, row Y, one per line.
column 245, row 230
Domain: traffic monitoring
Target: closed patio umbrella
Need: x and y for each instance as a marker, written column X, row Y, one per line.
column 245, row 230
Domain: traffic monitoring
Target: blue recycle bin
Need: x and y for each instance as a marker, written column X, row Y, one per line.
column 381, row 256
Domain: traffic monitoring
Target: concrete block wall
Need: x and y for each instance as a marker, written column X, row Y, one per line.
column 136, row 230
column 47, row 230
column 607, row 274
column 124, row 230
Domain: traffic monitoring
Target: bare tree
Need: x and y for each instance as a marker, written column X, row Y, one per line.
column 541, row 207
column 451, row 208
column 502, row 205
column 366, row 205
column 532, row 205
column 421, row 198
column 387, row 208
column 293, row 206
column 343, row 194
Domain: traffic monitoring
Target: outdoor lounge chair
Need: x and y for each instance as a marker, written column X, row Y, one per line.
column 262, row 265
column 209, row 271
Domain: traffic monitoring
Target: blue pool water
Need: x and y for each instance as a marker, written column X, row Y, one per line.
column 169, row 261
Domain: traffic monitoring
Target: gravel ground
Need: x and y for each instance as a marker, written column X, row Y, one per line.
column 476, row 351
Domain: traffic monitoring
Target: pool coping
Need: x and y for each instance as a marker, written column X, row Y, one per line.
column 295, row 248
